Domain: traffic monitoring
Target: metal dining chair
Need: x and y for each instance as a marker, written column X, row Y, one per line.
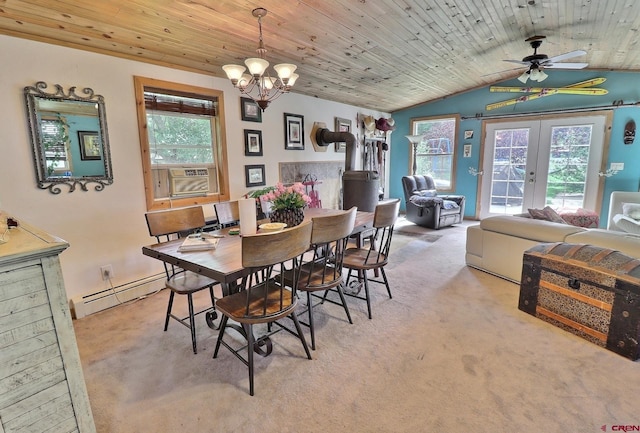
column 227, row 213
column 266, row 295
column 323, row 272
column 169, row 224
column 376, row 255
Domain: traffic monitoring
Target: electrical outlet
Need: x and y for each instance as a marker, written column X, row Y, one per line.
column 107, row 272
column 619, row 166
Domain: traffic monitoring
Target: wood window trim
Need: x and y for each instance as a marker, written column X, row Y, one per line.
column 454, row 154
column 140, row 83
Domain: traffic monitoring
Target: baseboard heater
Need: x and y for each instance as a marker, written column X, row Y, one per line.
column 85, row 305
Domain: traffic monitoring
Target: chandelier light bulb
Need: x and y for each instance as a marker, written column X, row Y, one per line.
column 256, row 66
column 292, row 80
column 258, row 84
column 285, row 70
column 234, row 72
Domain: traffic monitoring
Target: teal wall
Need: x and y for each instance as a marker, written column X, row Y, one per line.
column 470, row 106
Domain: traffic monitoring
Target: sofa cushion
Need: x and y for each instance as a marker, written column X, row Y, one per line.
column 529, row 228
column 631, row 210
column 626, row 243
column 627, row 224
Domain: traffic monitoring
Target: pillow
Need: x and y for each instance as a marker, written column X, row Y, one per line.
column 631, row 210
column 547, row 214
column 537, row 214
column 627, row 224
column 426, row 193
column 449, row 204
column 552, row 215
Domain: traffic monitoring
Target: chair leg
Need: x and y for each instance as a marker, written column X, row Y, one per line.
column 386, row 282
column 250, row 350
column 223, row 325
column 192, row 323
column 311, row 325
column 366, row 291
column 344, row 303
column 169, row 306
column 294, row 316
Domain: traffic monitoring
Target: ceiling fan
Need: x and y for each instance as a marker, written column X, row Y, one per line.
column 538, row 62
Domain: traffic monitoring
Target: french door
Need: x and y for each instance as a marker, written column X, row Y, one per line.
column 541, row 162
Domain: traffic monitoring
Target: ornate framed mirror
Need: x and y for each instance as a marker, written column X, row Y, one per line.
column 69, row 138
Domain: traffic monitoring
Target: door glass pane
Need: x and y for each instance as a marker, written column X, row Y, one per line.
column 509, row 168
column 568, row 163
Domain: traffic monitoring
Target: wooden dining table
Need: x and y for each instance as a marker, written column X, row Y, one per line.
column 224, row 263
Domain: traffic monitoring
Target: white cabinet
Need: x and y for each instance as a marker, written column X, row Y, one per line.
column 42, row 387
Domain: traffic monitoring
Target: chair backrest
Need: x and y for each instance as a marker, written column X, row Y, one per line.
column 267, row 256
column 416, row 183
column 333, row 227
column 329, row 237
column 227, row 213
column 384, row 219
column 164, row 223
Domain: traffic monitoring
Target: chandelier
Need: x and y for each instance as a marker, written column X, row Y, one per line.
column 258, row 84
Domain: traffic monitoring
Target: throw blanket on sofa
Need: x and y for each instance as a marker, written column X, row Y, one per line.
column 430, row 201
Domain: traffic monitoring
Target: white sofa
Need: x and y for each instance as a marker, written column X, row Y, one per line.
column 497, row 244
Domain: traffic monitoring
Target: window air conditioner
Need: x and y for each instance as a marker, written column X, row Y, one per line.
column 188, row 181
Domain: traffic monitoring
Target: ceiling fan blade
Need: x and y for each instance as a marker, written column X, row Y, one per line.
column 562, row 65
column 520, row 62
column 565, row 56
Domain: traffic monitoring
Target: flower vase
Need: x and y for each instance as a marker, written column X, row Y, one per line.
column 291, row 217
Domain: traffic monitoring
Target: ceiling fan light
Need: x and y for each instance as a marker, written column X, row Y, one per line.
column 542, row 76
column 524, row 77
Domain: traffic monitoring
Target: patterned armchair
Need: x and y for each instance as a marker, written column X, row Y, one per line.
column 428, row 209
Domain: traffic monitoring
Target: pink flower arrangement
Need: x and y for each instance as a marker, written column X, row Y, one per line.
column 287, row 197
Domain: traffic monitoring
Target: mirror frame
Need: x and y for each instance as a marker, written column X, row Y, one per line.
column 32, row 93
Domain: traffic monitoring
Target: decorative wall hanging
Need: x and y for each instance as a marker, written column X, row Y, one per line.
column 252, row 142
column 629, row 132
column 250, row 110
column 254, row 175
column 293, row 131
column 342, row 125
column 90, row 146
column 581, row 88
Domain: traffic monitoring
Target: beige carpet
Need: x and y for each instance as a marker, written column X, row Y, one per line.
column 450, row 353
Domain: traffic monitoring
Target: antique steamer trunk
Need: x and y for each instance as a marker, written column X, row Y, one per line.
column 589, row 291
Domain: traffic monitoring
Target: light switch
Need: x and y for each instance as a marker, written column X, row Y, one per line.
column 619, row 166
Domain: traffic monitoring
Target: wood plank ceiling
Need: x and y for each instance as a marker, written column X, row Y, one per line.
column 379, row 54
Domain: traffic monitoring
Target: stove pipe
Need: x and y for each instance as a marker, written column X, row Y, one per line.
column 360, row 188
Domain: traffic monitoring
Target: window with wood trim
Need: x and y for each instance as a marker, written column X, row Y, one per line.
column 182, row 141
column 435, row 154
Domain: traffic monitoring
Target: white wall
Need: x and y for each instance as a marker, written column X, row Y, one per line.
column 108, row 227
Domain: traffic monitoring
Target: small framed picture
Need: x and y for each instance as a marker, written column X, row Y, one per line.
column 468, row 134
column 254, row 175
column 342, row 125
column 293, row 131
column 250, row 110
column 252, row 142
column 467, row 151
column 89, row 145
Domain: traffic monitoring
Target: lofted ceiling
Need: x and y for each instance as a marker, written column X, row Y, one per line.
column 379, row 54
